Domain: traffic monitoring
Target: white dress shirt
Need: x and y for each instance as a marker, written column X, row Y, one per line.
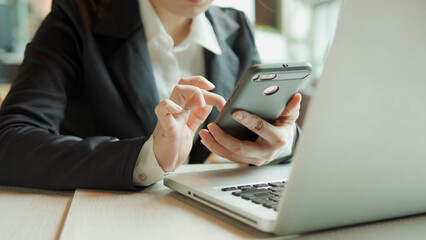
column 170, row 63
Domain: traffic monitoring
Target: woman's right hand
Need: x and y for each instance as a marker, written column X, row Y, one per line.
column 180, row 117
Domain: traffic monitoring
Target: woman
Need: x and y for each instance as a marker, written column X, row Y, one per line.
column 107, row 95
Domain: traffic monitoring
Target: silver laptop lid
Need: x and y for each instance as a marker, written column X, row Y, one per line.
column 363, row 153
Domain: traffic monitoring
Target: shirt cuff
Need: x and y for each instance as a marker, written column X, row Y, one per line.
column 147, row 171
column 287, row 150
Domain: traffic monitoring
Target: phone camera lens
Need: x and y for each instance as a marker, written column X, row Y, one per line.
column 271, row 90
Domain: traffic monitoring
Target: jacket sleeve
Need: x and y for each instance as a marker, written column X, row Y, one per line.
column 32, row 152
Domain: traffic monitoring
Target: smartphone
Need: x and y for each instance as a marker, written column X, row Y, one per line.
column 264, row 90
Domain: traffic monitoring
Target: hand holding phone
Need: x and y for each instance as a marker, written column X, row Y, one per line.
column 263, row 90
column 267, row 94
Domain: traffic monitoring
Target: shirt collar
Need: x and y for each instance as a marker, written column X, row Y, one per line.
column 201, row 31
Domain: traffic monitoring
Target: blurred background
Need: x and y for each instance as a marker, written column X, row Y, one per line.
column 285, row 31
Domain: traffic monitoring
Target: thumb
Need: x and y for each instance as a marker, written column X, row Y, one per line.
column 291, row 111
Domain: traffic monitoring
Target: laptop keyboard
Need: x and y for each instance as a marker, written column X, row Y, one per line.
column 266, row 194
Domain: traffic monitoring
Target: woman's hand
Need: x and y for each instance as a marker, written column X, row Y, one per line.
column 179, row 118
column 272, row 137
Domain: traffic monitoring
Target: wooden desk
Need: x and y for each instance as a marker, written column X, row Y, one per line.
column 32, row 213
column 155, row 213
column 159, row 213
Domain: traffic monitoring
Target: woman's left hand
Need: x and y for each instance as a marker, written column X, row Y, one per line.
column 272, row 137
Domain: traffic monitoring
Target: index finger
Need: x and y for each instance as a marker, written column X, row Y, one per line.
column 259, row 126
column 197, row 81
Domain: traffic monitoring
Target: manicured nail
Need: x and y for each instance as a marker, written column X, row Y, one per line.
column 212, row 128
column 203, row 134
column 237, row 116
column 179, row 108
column 211, row 84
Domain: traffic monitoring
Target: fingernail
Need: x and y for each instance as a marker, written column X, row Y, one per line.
column 237, row 116
column 211, row 84
column 211, row 127
column 203, row 134
column 179, row 108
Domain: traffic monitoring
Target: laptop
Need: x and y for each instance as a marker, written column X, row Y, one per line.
column 362, row 156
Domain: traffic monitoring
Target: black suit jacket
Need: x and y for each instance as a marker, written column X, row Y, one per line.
column 83, row 103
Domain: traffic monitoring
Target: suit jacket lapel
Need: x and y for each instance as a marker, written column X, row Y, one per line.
column 130, row 63
column 132, row 67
